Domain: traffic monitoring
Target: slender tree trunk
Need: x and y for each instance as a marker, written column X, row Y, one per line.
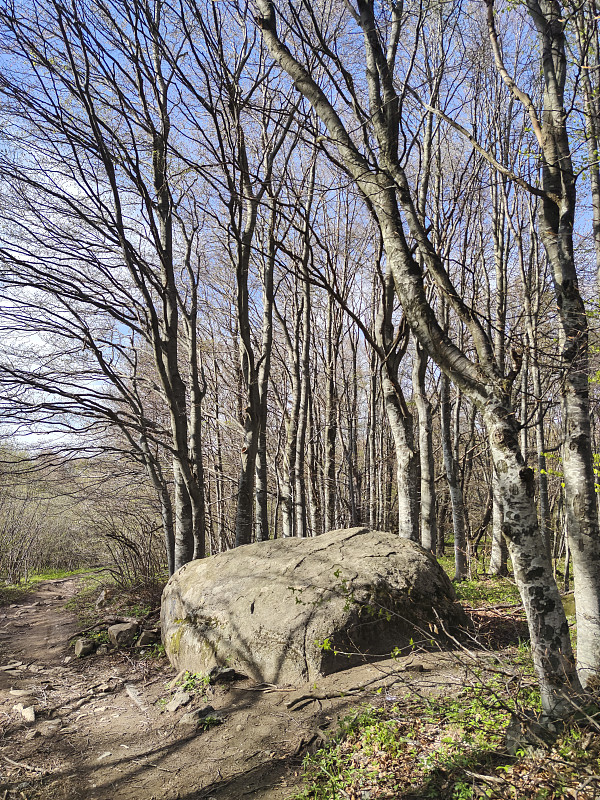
column 300, row 502
column 264, row 371
column 456, row 498
column 499, row 551
column 330, row 420
column 401, row 425
column 314, row 497
column 261, row 522
column 372, row 445
column 184, row 528
column 426, row 456
column 166, row 508
column 244, row 518
column 399, row 417
column 288, row 477
column 589, row 44
column 218, row 463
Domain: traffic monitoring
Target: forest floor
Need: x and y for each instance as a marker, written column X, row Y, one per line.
column 102, row 730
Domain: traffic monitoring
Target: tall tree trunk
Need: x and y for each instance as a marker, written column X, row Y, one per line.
column 588, row 42
column 330, row 419
column 400, row 419
column 218, row 462
column 426, row 456
column 456, row 498
column 184, row 527
column 244, row 517
column 372, row 446
column 264, row 371
column 314, row 495
column 288, row 477
column 499, row 550
column 550, row 642
column 401, row 425
column 557, row 213
column 300, row 503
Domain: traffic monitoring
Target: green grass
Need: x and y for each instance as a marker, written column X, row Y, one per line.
column 453, row 747
column 487, row 591
column 83, row 604
column 18, row 592
column 57, row 574
column 482, row 589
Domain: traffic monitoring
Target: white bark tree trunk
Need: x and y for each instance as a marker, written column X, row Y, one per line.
column 385, row 186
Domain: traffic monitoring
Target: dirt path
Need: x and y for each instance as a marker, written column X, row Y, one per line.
column 101, row 731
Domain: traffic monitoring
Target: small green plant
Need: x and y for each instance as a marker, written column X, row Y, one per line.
column 154, row 651
column 100, row 637
column 139, row 610
column 209, row 722
column 462, row 791
column 194, row 682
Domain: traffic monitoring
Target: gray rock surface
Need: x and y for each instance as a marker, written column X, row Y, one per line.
column 290, row 610
column 84, row 647
column 195, row 718
column 123, row 634
column 180, row 698
column 148, row 637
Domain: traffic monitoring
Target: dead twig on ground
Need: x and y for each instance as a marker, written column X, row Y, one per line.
column 20, row 764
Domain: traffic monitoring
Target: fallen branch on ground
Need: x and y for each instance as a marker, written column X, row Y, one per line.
column 24, row 766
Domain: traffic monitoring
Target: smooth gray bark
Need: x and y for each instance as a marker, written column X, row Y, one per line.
column 288, row 478
column 300, row 493
column 329, row 468
column 184, row 528
column 393, row 347
column 454, row 488
column 499, row 550
column 261, row 524
column 426, row 455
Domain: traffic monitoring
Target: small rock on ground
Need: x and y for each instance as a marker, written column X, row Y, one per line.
column 84, row 647
column 123, row 634
column 180, row 699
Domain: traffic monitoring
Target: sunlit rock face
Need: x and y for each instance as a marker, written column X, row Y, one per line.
column 291, row 610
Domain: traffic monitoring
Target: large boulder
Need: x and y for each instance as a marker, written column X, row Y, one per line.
column 290, row 610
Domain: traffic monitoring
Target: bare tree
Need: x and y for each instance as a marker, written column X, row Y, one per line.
column 383, row 181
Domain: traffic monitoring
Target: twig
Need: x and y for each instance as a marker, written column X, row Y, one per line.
column 106, row 621
column 500, row 606
column 486, row 778
column 23, row 766
column 145, row 764
column 263, row 687
column 305, row 699
column 176, row 679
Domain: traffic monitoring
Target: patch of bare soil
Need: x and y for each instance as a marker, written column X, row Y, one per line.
column 102, row 731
